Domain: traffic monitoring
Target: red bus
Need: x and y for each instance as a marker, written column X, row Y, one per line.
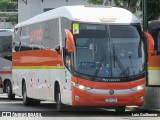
column 81, row 56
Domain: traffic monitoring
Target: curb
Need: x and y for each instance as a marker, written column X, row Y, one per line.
column 136, row 108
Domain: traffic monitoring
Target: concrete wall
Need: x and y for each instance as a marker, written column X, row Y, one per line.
column 23, row 11
column 152, row 98
column 34, row 7
column 59, row 3
column 4, row 25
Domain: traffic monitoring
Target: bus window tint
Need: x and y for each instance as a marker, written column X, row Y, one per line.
column 5, row 46
column 128, row 50
column 109, row 51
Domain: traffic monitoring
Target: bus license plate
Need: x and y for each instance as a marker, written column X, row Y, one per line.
column 111, row 100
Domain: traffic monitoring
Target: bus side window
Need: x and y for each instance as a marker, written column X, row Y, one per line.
column 36, row 47
column 158, row 43
column 16, row 46
column 57, row 48
column 25, row 47
column 16, row 38
column 67, row 56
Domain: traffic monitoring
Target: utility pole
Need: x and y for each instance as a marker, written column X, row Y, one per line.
column 145, row 21
column 145, row 28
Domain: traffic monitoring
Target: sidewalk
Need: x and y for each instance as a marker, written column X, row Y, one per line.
column 136, row 108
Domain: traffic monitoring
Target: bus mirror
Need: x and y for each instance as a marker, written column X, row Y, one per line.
column 150, row 41
column 70, row 41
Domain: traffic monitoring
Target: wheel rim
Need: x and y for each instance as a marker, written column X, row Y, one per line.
column 8, row 89
column 58, row 98
column 24, row 93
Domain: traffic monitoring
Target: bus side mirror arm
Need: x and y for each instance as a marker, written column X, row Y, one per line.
column 150, row 40
column 70, row 41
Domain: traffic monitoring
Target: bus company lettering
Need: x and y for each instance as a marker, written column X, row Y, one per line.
column 36, row 35
column 107, row 19
column 111, row 80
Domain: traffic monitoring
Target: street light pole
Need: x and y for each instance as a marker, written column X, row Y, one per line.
column 145, row 21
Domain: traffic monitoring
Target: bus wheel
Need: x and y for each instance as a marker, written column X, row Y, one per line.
column 120, row 108
column 59, row 105
column 10, row 95
column 26, row 101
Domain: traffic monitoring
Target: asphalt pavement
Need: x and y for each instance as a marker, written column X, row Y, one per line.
column 16, row 109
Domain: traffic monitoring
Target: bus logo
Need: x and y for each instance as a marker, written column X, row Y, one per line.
column 111, row 92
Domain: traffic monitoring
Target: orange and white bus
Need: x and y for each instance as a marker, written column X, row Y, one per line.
column 6, row 61
column 152, row 95
column 81, row 56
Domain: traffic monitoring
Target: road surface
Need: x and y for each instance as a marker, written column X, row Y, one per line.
column 16, row 109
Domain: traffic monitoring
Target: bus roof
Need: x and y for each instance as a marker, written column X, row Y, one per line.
column 154, row 24
column 6, row 32
column 83, row 13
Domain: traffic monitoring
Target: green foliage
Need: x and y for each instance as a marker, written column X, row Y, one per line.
column 121, row 2
column 12, row 18
column 8, row 5
column 152, row 5
column 96, row 2
column 153, row 10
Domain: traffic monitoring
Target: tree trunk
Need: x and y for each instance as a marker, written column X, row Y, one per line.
column 132, row 5
column 107, row 2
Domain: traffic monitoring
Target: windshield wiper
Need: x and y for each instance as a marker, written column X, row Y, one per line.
column 116, row 59
column 100, row 65
column 131, row 63
column 123, row 70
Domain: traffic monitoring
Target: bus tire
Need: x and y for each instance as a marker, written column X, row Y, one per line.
column 26, row 100
column 59, row 105
column 8, row 87
column 36, row 102
column 120, row 108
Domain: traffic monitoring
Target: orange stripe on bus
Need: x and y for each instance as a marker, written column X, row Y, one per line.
column 48, row 57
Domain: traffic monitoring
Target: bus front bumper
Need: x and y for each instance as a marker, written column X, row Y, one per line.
column 85, row 98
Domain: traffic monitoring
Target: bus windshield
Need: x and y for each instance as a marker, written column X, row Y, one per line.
column 109, row 51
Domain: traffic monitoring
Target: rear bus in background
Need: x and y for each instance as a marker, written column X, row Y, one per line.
column 152, row 95
column 6, row 36
column 81, row 56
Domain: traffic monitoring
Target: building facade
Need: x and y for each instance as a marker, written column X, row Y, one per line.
column 30, row 8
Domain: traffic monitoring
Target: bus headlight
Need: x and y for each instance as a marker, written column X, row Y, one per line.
column 81, row 87
column 138, row 88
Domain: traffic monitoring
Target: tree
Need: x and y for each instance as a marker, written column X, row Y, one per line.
column 12, row 18
column 153, row 9
column 133, row 6
column 9, row 6
column 96, row 2
column 129, row 4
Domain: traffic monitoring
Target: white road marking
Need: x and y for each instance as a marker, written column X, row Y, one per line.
column 11, row 102
column 5, row 96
